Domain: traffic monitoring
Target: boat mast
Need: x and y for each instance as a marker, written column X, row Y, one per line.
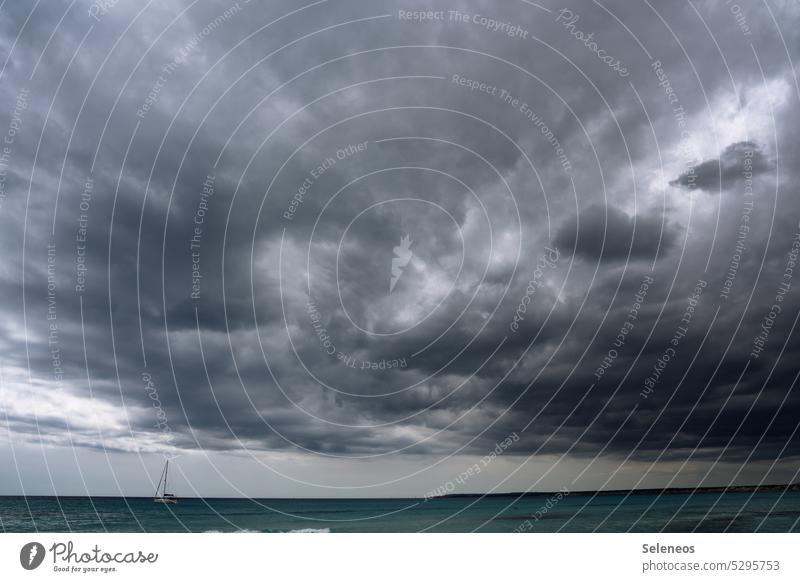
column 160, row 478
column 166, row 469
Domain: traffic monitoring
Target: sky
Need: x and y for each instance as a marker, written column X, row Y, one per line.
column 346, row 248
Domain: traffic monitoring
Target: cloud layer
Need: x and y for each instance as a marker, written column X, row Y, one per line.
column 203, row 209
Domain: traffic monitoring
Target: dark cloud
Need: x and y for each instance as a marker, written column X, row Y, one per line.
column 606, row 233
column 739, row 162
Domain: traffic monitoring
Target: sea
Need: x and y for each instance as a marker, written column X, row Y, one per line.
column 571, row 512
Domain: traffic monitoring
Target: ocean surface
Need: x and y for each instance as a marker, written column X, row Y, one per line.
column 702, row 512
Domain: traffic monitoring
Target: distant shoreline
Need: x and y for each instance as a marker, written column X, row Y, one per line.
column 662, row 491
column 516, row 494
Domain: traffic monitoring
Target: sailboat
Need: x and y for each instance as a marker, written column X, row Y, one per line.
column 164, row 497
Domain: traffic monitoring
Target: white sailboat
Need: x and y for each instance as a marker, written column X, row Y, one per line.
column 164, row 497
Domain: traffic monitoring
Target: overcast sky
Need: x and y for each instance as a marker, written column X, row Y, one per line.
column 342, row 248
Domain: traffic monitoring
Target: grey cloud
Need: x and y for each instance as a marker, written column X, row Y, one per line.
column 738, row 162
column 606, row 233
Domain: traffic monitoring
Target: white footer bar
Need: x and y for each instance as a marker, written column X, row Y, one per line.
column 400, row 557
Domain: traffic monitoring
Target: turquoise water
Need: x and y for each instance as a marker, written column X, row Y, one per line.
column 705, row 512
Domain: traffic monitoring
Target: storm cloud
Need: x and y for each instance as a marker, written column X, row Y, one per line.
column 738, row 162
column 291, row 236
column 607, row 233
